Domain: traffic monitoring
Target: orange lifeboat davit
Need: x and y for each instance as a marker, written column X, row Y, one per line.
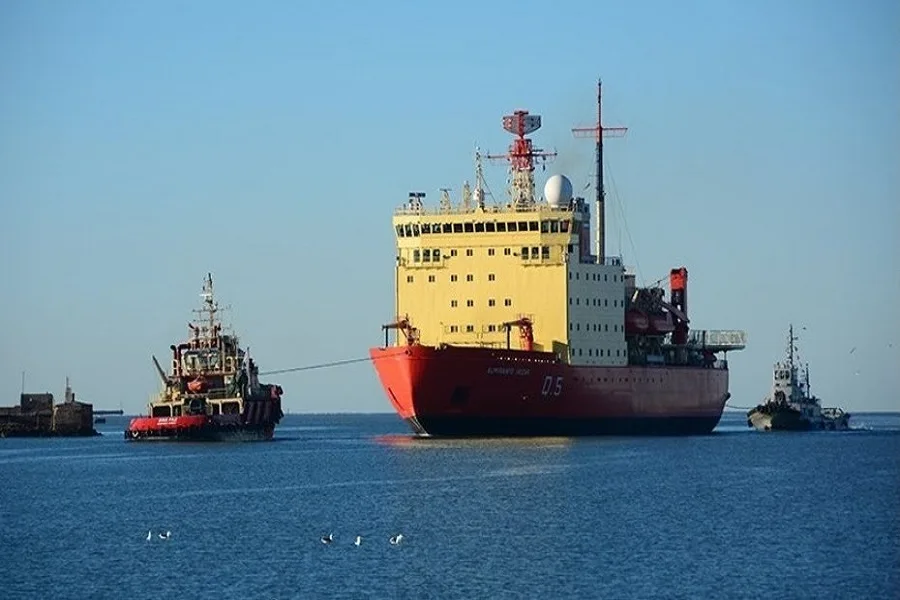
column 636, row 322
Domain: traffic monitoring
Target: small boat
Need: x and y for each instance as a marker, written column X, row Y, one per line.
column 790, row 406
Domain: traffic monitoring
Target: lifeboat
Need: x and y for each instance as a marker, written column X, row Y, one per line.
column 636, row 322
column 661, row 324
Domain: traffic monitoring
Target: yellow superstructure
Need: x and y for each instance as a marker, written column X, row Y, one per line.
column 463, row 272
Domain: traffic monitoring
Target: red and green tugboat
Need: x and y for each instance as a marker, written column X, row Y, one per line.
column 213, row 392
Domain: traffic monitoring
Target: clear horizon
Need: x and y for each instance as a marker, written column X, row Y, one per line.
column 144, row 145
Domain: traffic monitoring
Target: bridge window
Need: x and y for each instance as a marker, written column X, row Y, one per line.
column 511, row 226
column 468, row 228
column 470, row 303
column 453, row 252
column 507, row 251
column 490, row 251
column 417, row 256
column 399, row 230
column 468, row 252
column 454, row 329
column 431, row 279
column 545, row 227
column 470, row 328
column 489, row 227
column 479, row 227
column 446, row 228
column 409, row 279
column 545, row 252
column 490, row 276
column 554, row 226
column 453, row 304
column 524, row 252
column 507, row 302
column 492, row 328
column 523, row 225
column 457, row 228
column 436, row 255
column 426, row 228
column 501, row 227
column 534, row 252
column 491, row 302
column 470, row 277
column 415, row 229
column 533, row 226
column 426, row 255
column 453, row 278
column 563, row 226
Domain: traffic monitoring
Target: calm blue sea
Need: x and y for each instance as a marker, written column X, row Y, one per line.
column 735, row 514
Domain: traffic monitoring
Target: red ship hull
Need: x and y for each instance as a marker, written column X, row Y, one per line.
column 469, row 391
column 197, row 428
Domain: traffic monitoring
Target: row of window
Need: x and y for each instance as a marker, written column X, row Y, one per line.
column 428, row 255
column 453, row 278
column 595, row 352
column 596, row 327
column 416, row 229
column 596, row 277
column 596, row 302
column 491, row 302
column 471, row 328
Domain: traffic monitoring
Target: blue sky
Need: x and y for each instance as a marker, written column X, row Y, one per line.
column 144, row 144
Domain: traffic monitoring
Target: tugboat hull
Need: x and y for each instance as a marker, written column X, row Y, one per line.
column 778, row 421
column 198, row 428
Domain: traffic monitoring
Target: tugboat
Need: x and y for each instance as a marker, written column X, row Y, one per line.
column 213, row 392
column 791, row 407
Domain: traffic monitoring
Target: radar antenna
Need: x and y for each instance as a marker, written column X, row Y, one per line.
column 521, row 156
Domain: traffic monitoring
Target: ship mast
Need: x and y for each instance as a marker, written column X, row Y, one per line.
column 791, row 340
column 598, row 131
column 521, row 156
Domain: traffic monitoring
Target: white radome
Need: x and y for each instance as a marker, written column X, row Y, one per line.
column 558, row 190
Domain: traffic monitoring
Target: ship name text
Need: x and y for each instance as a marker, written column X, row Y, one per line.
column 508, row 371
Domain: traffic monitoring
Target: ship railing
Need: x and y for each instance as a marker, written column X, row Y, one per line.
column 715, row 340
column 406, row 210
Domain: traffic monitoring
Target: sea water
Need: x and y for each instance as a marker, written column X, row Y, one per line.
column 734, row 514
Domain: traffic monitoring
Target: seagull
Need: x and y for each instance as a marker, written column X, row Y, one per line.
column 149, row 535
column 396, row 539
column 327, row 539
column 358, row 540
